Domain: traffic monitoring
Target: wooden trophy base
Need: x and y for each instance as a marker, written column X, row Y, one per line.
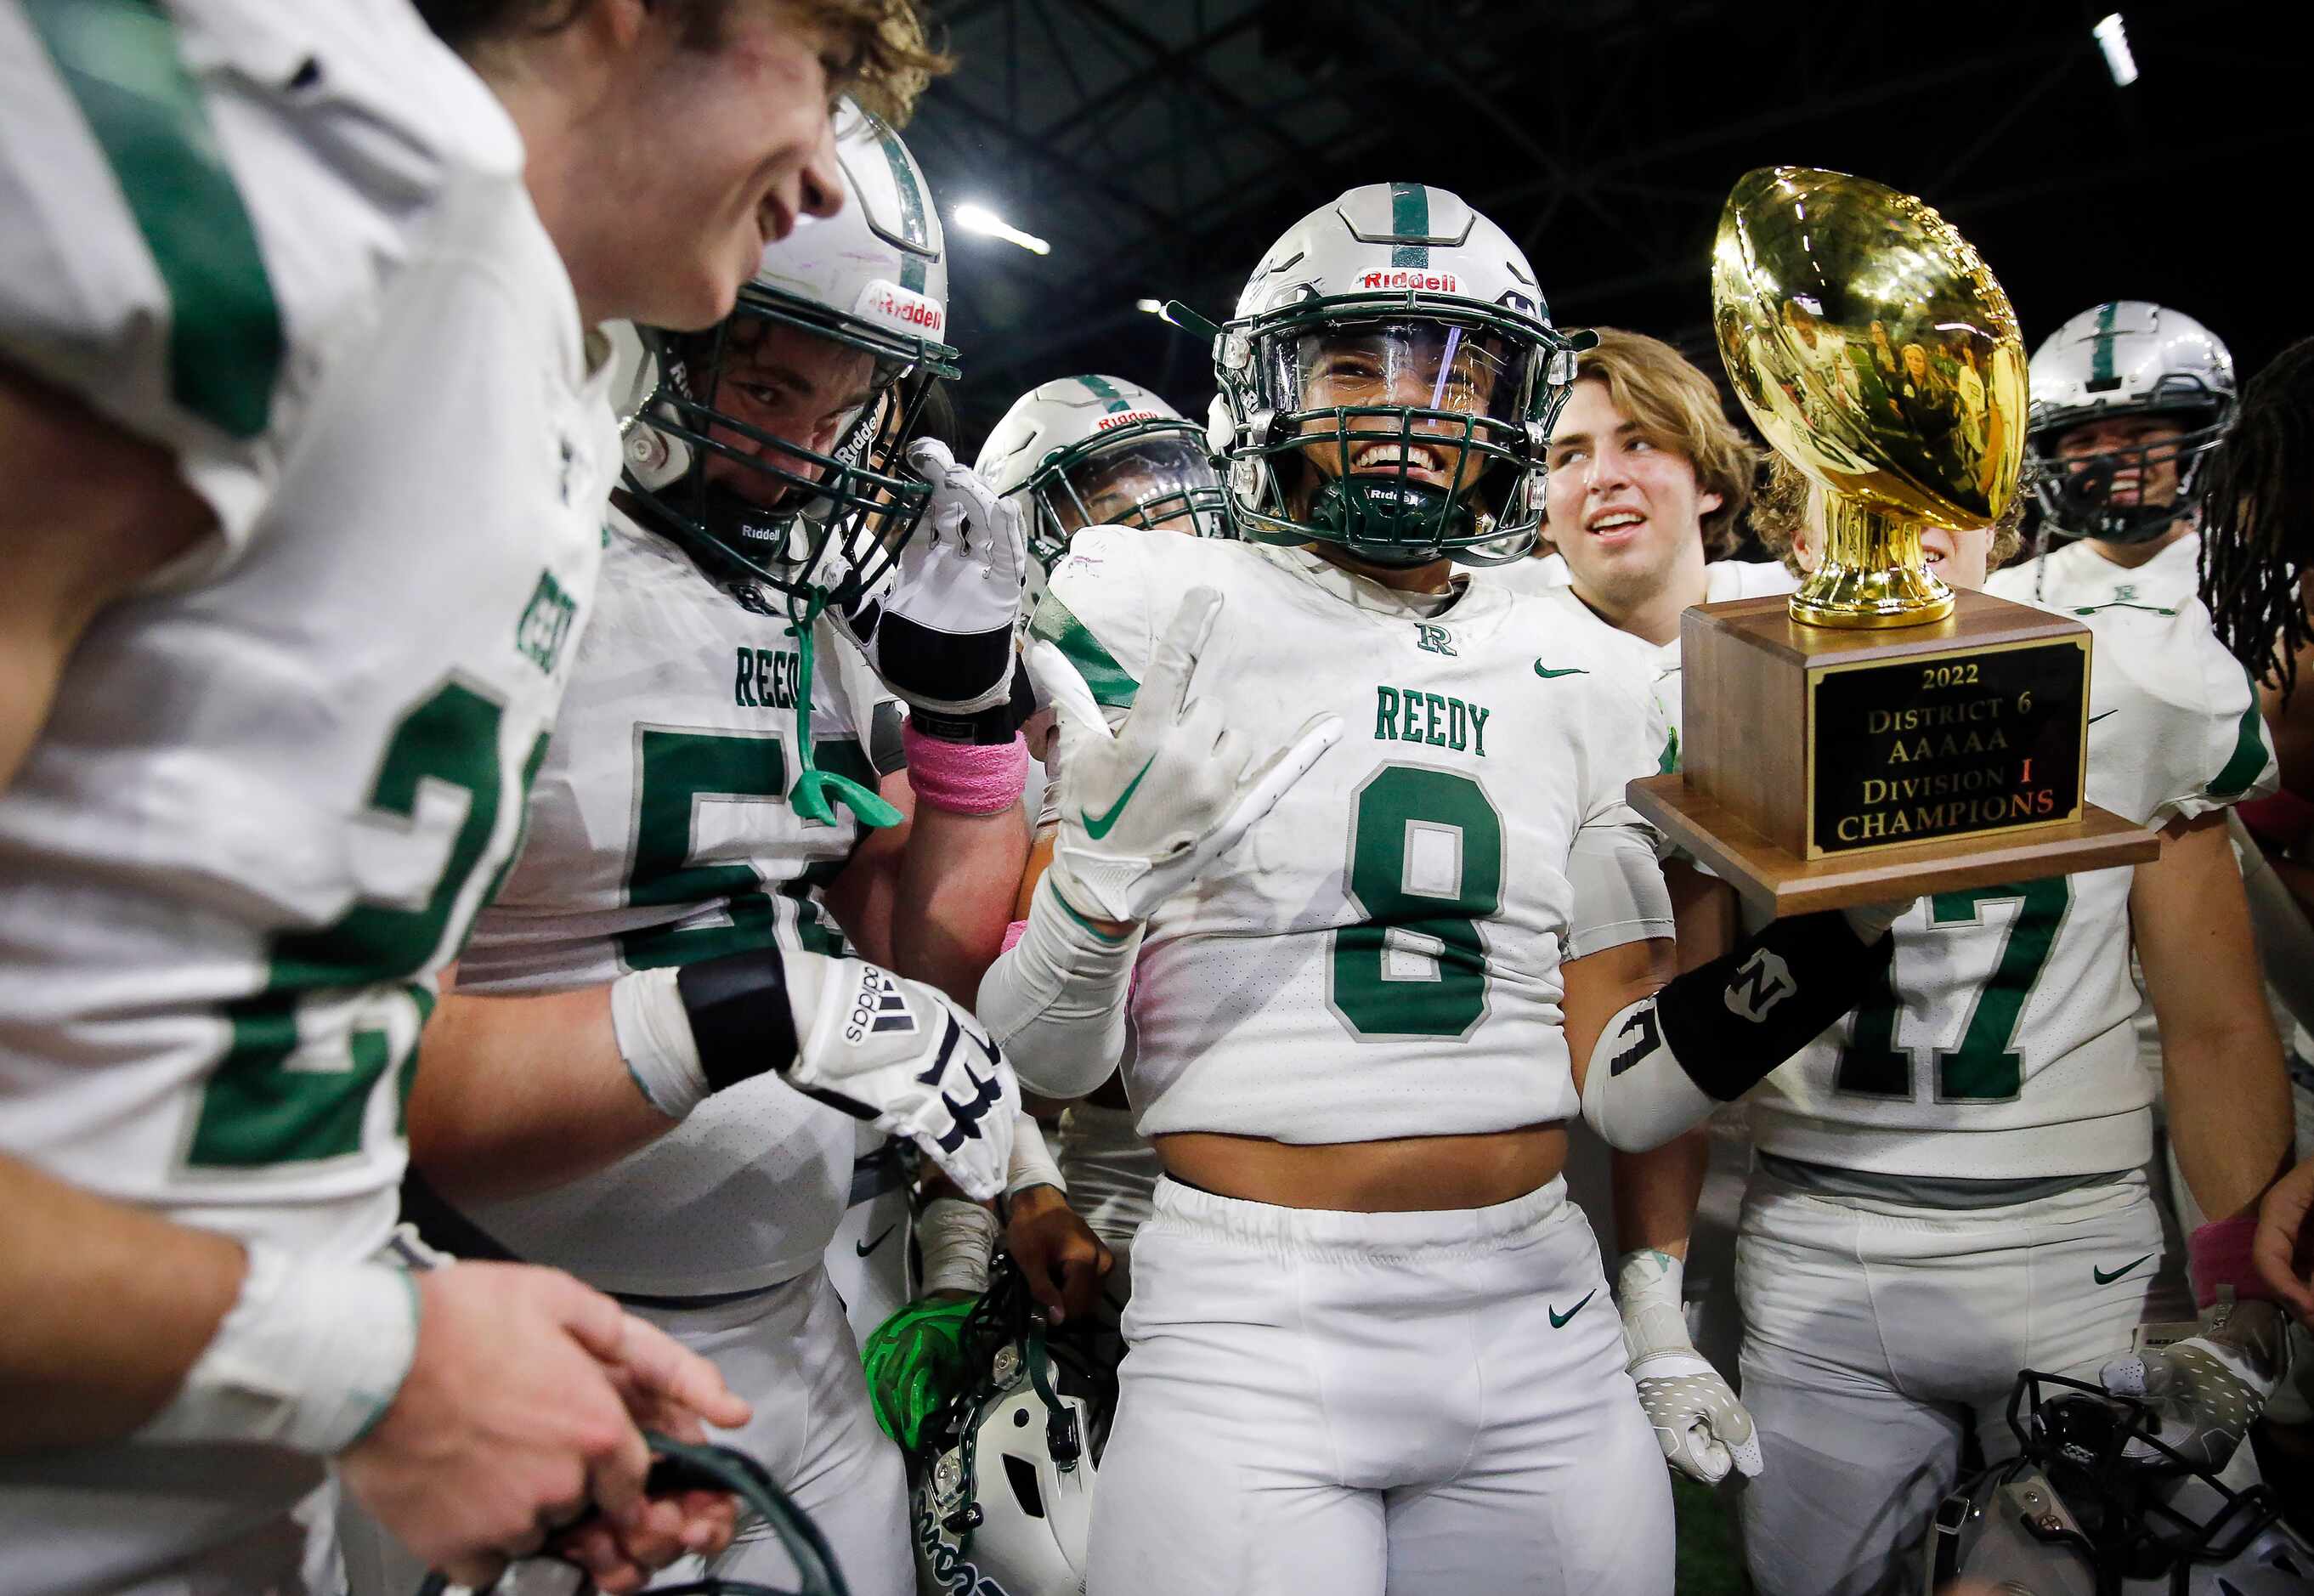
column 1826, row 768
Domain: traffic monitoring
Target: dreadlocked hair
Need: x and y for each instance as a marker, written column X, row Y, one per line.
column 2258, row 522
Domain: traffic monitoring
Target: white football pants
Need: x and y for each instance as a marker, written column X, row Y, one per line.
column 1875, row 1333
column 1357, row 1404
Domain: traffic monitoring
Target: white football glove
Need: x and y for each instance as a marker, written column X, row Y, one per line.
column 2206, row 1390
column 1144, row 811
column 1701, row 1427
column 904, row 1055
column 941, row 637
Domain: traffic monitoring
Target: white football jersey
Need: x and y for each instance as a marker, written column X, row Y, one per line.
column 293, row 244
column 1536, row 572
column 1655, row 668
column 2077, row 577
column 2005, row 1046
column 659, row 835
column 1378, row 957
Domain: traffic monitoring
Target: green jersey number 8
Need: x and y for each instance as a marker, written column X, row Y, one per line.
column 1425, row 866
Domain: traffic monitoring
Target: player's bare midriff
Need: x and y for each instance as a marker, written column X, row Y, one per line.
column 1410, row 1174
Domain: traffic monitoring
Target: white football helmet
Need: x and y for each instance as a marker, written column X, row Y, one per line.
column 1095, row 451
column 2095, row 1504
column 2126, row 358
column 1389, row 381
column 866, row 287
column 1004, row 1503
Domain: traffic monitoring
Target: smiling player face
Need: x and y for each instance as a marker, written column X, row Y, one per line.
column 1410, row 366
column 1621, row 508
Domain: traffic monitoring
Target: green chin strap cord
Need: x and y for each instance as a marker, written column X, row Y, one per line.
column 680, row 1465
column 816, row 792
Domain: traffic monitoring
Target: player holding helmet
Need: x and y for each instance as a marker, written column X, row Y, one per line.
column 2128, row 402
column 703, row 834
column 1360, row 1353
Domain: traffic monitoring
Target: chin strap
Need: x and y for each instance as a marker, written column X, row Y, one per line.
column 816, row 792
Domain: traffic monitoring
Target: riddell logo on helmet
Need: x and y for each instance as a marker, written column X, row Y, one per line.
column 1123, row 419
column 903, row 308
column 1431, row 282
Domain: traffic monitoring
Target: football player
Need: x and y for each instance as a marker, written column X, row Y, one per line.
column 1949, row 1184
column 1360, row 1354
column 1647, row 482
column 1090, row 451
column 2129, row 400
column 306, row 452
column 707, row 845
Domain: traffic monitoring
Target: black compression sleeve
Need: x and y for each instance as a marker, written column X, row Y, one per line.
column 1731, row 1022
column 739, row 1016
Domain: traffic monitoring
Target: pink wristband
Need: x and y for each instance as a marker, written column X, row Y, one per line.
column 1012, row 935
column 965, row 778
column 2218, row 1254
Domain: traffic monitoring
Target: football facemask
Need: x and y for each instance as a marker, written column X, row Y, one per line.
column 1388, row 383
column 2127, row 357
column 1154, row 475
column 813, row 508
column 1397, row 439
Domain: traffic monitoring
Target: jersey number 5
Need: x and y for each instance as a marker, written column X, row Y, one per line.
column 1425, row 866
column 1986, row 1067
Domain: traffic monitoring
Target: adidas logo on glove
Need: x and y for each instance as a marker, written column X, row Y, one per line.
column 877, row 1008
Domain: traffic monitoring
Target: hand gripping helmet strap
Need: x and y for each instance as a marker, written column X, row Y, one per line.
column 679, row 1466
column 2095, row 1499
column 1389, row 381
column 2126, row 358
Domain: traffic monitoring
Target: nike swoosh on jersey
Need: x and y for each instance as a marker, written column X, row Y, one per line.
column 1569, row 671
column 1098, row 827
column 2105, row 1279
column 865, row 1248
column 2093, row 720
column 1558, row 1320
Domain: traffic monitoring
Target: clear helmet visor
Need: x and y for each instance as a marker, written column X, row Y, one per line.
column 1161, row 480
column 1408, row 437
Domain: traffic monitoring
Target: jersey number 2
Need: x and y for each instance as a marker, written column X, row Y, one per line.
column 1425, row 866
column 277, row 1097
column 1986, row 1067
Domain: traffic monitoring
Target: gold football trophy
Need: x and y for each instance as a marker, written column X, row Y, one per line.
column 1877, row 733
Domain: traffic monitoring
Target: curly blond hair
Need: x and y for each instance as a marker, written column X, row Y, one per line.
column 880, row 53
column 1780, row 512
column 883, row 57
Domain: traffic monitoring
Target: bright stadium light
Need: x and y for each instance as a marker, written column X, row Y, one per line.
column 1155, row 307
column 979, row 218
column 2115, row 43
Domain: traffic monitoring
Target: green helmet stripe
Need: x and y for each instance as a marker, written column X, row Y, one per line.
column 120, row 61
column 1102, row 388
column 913, row 227
column 2101, row 355
column 1409, row 217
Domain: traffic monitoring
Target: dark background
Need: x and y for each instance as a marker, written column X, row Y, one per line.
column 1162, row 144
